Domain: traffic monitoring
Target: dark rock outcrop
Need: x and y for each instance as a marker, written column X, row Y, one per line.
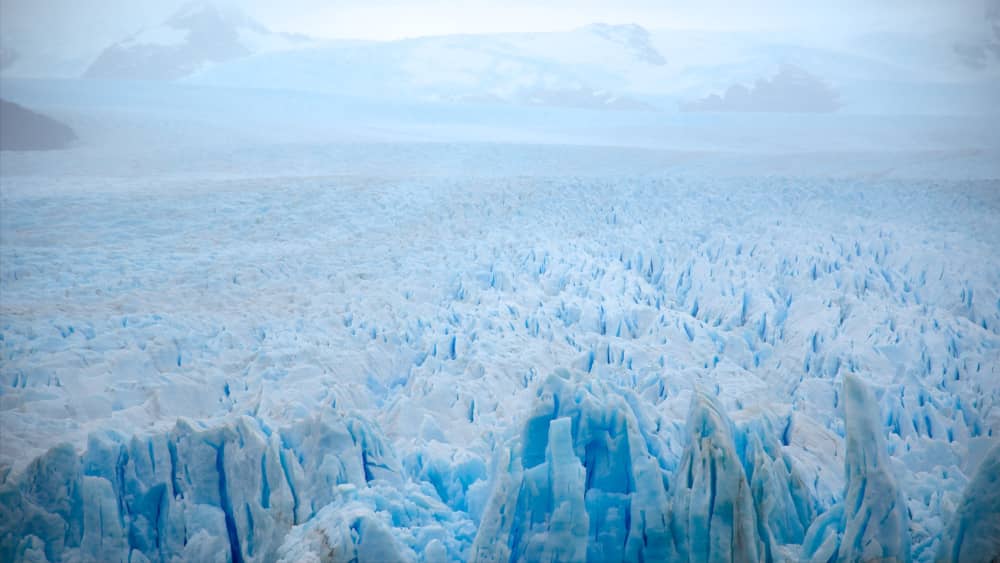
column 791, row 90
column 24, row 130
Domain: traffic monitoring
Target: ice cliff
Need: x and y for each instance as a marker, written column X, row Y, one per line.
column 230, row 492
column 592, row 476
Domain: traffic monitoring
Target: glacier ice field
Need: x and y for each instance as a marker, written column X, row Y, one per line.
column 501, row 367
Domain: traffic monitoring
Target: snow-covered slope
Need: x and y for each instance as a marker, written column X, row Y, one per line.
column 621, row 67
column 582, row 68
column 201, row 33
column 435, row 368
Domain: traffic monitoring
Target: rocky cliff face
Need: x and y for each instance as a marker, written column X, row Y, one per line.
column 24, row 130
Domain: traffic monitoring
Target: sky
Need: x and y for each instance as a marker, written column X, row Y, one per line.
column 396, row 18
column 79, row 29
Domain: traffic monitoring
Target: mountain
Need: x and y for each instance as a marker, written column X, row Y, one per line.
column 600, row 66
column 24, row 130
column 625, row 67
column 791, row 90
column 198, row 35
column 592, row 67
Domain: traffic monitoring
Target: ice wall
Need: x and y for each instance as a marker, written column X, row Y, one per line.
column 585, row 480
column 230, row 492
column 872, row 522
column 974, row 533
column 712, row 508
column 592, row 476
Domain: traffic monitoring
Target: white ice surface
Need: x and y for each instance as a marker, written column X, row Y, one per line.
column 434, row 308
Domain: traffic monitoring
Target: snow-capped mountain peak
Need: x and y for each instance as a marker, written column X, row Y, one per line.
column 201, row 33
column 633, row 37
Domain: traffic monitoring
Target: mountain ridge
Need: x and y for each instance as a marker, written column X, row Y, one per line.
column 201, row 33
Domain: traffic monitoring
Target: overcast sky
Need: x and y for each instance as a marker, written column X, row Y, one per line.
column 401, row 18
column 81, row 28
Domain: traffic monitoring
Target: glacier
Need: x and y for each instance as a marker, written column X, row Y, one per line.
column 687, row 365
column 608, row 293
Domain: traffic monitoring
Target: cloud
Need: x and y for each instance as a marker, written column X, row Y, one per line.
column 791, row 90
